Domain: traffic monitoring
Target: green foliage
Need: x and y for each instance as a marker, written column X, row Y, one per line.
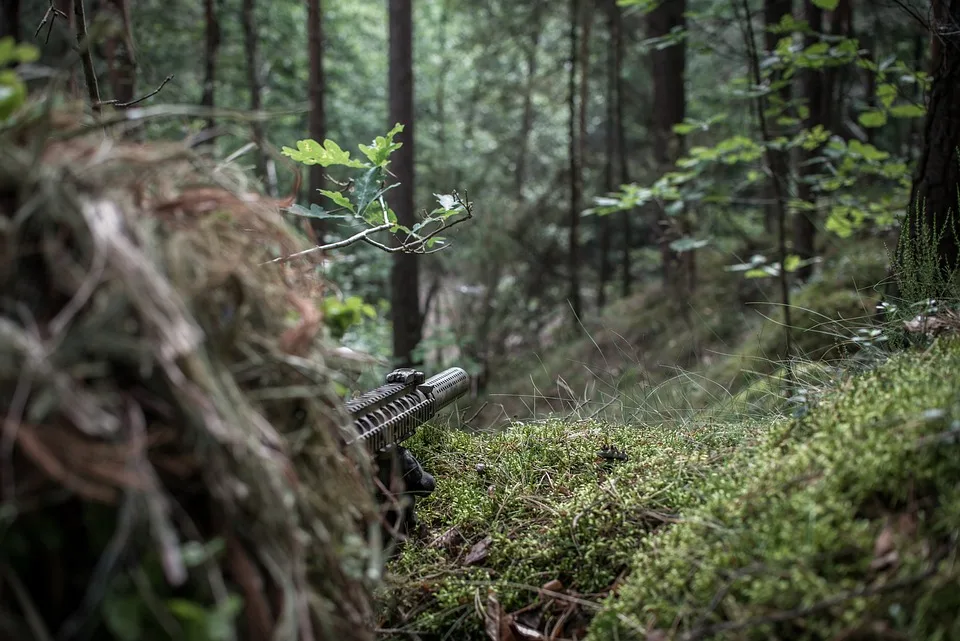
column 340, row 315
column 362, row 196
column 921, row 272
column 13, row 91
column 310, row 152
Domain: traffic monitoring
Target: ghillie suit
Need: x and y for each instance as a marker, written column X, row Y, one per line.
column 171, row 441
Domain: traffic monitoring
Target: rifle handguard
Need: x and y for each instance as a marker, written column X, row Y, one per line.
column 390, row 414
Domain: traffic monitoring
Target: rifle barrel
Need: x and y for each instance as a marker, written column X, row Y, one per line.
column 390, row 414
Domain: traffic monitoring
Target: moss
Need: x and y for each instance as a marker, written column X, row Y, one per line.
column 795, row 525
column 713, row 523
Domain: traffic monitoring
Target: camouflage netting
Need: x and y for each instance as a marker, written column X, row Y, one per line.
column 171, row 461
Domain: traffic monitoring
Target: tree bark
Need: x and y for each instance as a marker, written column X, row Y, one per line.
column 609, row 168
column 212, row 47
column 527, row 119
column 934, row 193
column 804, row 221
column 10, row 20
column 119, row 52
column 576, row 187
column 253, row 81
column 626, row 220
column 773, row 12
column 405, row 280
column 317, row 90
column 669, row 104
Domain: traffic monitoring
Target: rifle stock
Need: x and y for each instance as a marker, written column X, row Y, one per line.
column 390, row 414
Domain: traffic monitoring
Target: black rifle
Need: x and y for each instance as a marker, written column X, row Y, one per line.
column 387, row 416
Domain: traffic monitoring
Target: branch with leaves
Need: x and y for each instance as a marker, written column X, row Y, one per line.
column 361, row 199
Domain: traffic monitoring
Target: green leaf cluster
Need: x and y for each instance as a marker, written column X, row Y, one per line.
column 13, row 91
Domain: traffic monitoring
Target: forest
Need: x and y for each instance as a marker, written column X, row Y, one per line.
column 697, row 258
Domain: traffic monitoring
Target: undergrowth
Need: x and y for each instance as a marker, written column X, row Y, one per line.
column 842, row 521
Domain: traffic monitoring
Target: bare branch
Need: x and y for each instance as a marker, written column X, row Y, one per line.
column 124, row 105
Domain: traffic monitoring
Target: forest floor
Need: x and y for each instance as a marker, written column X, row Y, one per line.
column 833, row 517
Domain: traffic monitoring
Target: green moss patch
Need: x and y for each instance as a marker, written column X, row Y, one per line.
column 840, row 523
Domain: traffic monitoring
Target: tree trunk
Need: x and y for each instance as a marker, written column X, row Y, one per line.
column 212, row 40
column 804, row 221
column 626, row 221
column 318, row 119
column 527, row 123
column 576, row 187
column 405, row 290
column 934, row 193
column 253, row 80
column 669, row 103
column 773, row 12
column 119, row 52
column 10, row 19
column 609, row 167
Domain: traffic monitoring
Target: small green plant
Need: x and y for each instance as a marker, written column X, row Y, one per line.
column 13, row 91
column 920, row 271
column 342, row 314
column 360, row 199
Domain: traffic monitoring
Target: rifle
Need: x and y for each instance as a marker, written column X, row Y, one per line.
column 390, row 414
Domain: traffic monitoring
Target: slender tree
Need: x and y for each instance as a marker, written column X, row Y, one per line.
column 668, row 64
column 626, row 221
column 937, row 179
column 10, row 19
column 317, row 89
column 576, row 176
column 604, row 229
column 773, row 12
column 804, row 221
column 251, row 40
column 119, row 51
column 211, row 50
column 405, row 277
column 526, row 126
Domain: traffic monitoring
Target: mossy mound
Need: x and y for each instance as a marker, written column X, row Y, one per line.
column 172, row 463
column 840, row 524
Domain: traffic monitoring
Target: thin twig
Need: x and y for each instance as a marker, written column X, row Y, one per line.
column 124, row 105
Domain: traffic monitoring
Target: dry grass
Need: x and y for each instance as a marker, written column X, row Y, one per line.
column 170, row 437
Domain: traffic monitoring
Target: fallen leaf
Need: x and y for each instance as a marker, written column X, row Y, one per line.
column 479, row 551
column 447, row 539
column 884, row 542
column 550, row 586
column 495, row 621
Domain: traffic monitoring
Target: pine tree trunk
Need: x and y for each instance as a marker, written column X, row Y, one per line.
column 212, row 47
column 405, row 282
column 527, row 119
column 609, row 167
column 626, row 220
column 253, row 81
column 316, row 90
column 804, row 221
column 118, row 49
column 669, row 104
column 10, row 20
column 773, row 12
column 935, row 185
column 573, row 243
